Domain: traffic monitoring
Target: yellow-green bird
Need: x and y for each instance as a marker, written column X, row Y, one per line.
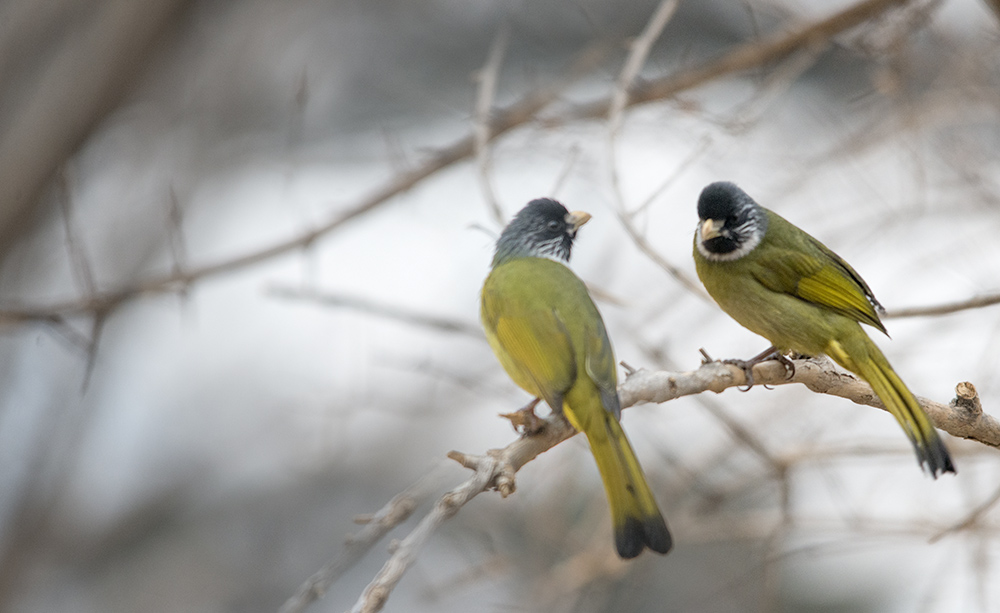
column 550, row 338
column 785, row 285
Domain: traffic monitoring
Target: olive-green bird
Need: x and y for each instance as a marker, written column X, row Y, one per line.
column 550, row 338
column 785, row 285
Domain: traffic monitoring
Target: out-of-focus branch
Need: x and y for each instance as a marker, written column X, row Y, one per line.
column 627, row 220
column 971, row 519
column 638, row 53
column 493, row 470
column 497, row 467
column 945, row 309
column 640, row 50
column 434, row 322
column 744, row 57
column 485, row 96
column 502, row 121
column 377, row 525
column 88, row 74
column 995, row 7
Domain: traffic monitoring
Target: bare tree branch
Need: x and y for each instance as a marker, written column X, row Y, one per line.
column 493, row 470
column 436, row 322
column 504, row 120
column 627, row 220
column 745, row 57
column 640, row 49
column 80, row 261
column 175, row 233
column 945, row 309
column 960, row 418
column 971, row 519
column 497, row 467
column 377, row 525
column 488, row 77
column 87, row 76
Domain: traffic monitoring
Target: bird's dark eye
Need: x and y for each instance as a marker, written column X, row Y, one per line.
column 553, row 225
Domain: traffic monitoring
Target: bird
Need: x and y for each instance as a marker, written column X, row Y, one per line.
column 548, row 335
column 781, row 283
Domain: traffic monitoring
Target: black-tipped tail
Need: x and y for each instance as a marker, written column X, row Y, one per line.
column 636, row 533
column 933, row 456
column 867, row 360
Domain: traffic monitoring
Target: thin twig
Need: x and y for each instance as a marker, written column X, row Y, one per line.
column 375, row 595
column 744, row 57
column 488, row 77
column 435, row 322
column 502, row 121
column 395, row 512
column 626, row 219
column 776, row 84
column 640, row 50
column 79, row 260
column 175, row 233
column 971, row 519
column 520, row 113
column 944, row 309
column 571, row 158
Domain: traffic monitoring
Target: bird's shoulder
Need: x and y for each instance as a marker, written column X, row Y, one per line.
column 536, row 282
column 792, row 261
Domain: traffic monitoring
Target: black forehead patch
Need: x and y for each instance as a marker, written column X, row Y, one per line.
column 720, row 200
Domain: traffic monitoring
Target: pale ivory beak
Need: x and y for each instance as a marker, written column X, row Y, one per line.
column 576, row 219
column 711, row 228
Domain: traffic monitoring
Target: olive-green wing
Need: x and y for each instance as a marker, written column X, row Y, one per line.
column 600, row 364
column 531, row 342
column 800, row 265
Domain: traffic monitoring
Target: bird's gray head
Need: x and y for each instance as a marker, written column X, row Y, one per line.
column 731, row 223
column 542, row 229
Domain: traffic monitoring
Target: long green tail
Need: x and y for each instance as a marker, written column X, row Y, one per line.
column 862, row 356
column 635, row 516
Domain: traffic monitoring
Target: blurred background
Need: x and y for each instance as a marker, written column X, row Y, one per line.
column 240, row 256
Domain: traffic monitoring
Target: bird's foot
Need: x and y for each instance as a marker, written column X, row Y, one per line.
column 785, row 361
column 771, row 353
column 747, row 367
column 524, row 419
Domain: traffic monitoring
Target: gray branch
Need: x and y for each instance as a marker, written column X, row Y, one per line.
column 962, row 417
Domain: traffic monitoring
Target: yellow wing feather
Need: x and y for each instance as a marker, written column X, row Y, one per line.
column 794, row 268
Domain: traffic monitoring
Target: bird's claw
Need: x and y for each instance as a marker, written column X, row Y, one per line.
column 785, row 361
column 524, row 419
column 747, row 367
column 770, row 354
